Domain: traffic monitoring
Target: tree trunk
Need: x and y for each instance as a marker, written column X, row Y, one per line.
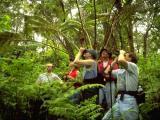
column 145, row 36
column 95, row 26
column 130, row 35
column 82, row 26
column 107, row 33
column 113, row 44
column 122, row 44
column 68, row 46
column 69, row 49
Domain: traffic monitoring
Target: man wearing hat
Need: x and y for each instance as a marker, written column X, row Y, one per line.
column 49, row 76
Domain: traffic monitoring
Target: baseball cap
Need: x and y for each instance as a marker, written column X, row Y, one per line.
column 92, row 52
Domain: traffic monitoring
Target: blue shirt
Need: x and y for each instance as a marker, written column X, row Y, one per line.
column 90, row 72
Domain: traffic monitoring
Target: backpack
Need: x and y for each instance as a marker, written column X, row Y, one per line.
column 140, row 96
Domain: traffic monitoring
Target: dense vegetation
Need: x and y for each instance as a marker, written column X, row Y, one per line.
column 34, row 32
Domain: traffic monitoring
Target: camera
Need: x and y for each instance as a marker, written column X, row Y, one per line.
column 116, row 52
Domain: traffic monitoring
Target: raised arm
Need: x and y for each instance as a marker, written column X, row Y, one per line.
column 110, row 67
column 80, row 61
column 78, row 56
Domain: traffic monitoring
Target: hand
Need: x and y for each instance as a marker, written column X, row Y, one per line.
column 115, row 59
column 81, row 50
column 65, row 76
column 106, row 75
column 71, row 64
column 122, row 52
column 98, row 61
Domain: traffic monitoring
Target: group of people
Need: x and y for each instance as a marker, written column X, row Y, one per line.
column 118, row 75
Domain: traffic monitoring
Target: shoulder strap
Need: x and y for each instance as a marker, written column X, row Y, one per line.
column 126, row 81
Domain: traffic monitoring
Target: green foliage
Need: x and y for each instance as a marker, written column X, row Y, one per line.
column 19, row 92
column 15, row 74
column 61, row 106
column 149, row 78
column 8, row 41
column 89, row 110
column 5, row 23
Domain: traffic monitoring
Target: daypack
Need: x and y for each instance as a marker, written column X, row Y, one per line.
column 140, row 96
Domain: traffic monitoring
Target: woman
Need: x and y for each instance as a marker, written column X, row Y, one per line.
column 73, row 73
column 71, row 77
column 89, row 70
column 108, row 91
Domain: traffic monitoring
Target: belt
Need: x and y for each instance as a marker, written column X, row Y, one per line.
column 132, row 93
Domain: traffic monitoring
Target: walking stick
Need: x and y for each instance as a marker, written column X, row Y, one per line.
column 110, row 72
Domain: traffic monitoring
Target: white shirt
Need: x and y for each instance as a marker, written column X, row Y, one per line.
column 48, row 77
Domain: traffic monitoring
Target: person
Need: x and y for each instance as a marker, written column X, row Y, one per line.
column 89, row 70
column 48, row 76
column 73, row 73
column 71, row 76
column 108, row 91
column 127, row 84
